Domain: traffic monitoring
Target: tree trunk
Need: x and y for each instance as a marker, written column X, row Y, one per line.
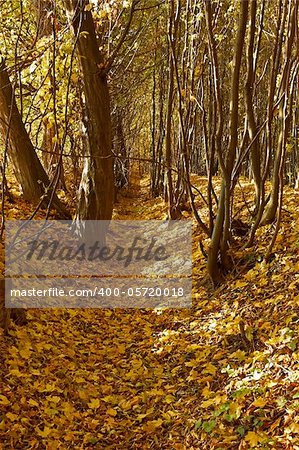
column 221, row 232
column 168, row 126
column 4, row 312
column 44, row 11
column 255, row 158
column 121, row 166
column 269, row 126
column 28, row 169
column 271, row 209
column 17, row 315
column 43, row 8
column 97, row 183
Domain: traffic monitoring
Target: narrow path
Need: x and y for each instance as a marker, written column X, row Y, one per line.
column 143, row 379
column 95, row 378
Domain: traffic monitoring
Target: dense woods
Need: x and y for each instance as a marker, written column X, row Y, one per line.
column 172, row 110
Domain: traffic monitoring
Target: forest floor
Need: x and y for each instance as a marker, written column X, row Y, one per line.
column 221, row 375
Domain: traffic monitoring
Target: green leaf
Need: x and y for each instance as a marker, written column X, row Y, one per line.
column 241, row 430
column 209, row 426
column 197, row 424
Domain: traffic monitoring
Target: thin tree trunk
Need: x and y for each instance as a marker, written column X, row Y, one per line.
column 97, row 182
column 17, row 315
column 251, row 121
column 270, row 107
column 271, row 209
column 28, row 169
column 170, row 98
column 121, row 166
column 4, row 312
column 221, row 232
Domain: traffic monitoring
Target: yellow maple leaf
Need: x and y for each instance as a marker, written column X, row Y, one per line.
column 80, row 380
column 68, row 408
column 4, row 400
column 192, row 363
column 207, row 403
column 49, row 388
column 254, row 438
column 32, row 402
column 140, row 417
column 217, row 400
column 294, row 427
column 136, row 363
column 16, row 373
column 13, row 351
column 210, row 369
column 74, row 78
column 11, row 416
column 83, row 394
column 94, row 403
column 151, row 426
column 169, row 399
column 206, row 392
column 54, row 399
column 25, row 353
column 110, row 399
column 240, row 284
column 260, row 402
column 45, row 432
column 112, row 412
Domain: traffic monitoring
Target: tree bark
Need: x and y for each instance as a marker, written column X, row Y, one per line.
column 170, row 98
column 121, row 164
column 270, row 108
column 4, row 312
column 97, row 182
column 17, row 315
column 221, row 232
column 255, row 158
column 45, row 16
column 28, row 169
column 271, row 209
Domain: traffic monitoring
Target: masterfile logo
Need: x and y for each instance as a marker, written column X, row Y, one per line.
column 119, row 264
